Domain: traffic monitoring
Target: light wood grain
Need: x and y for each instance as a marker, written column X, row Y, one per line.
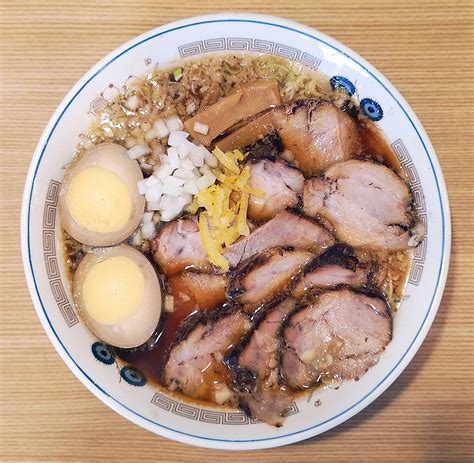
column 424, row 47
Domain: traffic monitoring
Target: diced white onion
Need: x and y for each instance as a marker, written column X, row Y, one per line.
column 161, row 128
column 174, row 123
column 147, row 217
column 201, row 128
column 175, row 181
column 157, row 149
column 153, row 205
column 154, row 193
column 173, row 157
column 129, row 142
column 186, row 163
column 137, row 238
column 196, row 156
column 151, row 181
column 138, row 150
column 183, row 150
column 203, row 183
column 132, row 103
column 190, row 108
column 210, row 159
column 165, row 170
column 172, row 190
column 183, row 173
column 191, row 187
column 188, row 198
column 141, row 184
column 167, row 216
column 178, row 137
column 148, row 230
column 168, row 203
column 210, row 176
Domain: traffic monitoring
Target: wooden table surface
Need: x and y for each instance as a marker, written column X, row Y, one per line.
column 424, row 47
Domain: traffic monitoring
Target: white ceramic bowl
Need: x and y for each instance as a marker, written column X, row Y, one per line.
column 94, row 365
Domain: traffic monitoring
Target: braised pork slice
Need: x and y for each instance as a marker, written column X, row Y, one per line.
column 195, row 364
column 319, row 135
column 285, row 229
column 254, row 366
column 338, row 335
column 281, row 184
column 367, row 204
column 207, row 290
column 178, row 246
column 337, row 266
column 266, row 276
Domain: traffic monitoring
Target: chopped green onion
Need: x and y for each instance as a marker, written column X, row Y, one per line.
column 177, row 74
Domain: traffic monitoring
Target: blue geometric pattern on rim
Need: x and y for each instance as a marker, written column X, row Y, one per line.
column 371, row 109
column 103, row 353
column 343, row 83
column 132, row 376
column 307, row 35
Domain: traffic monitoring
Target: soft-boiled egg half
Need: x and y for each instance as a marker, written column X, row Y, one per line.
column 117, row 294
column 99, row 202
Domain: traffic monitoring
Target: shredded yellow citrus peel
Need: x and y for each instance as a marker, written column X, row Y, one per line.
column 223, row 216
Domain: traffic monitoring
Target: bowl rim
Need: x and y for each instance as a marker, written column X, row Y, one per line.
column 122, row 409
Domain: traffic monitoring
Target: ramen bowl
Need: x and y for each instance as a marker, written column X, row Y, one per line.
column 125, row 389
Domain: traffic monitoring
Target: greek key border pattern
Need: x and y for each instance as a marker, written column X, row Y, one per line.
column 409, row 170
column 209, row 416
column 248, row 44
column 50, row 255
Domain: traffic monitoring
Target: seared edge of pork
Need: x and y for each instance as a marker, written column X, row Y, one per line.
column 253, row 364
column 267, row 275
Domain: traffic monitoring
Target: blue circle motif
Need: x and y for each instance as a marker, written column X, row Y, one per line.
column 342, row 83
column 371, row 109
column 132, row 376
column 103, row 353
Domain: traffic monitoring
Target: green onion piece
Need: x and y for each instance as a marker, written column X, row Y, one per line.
column 177, row 74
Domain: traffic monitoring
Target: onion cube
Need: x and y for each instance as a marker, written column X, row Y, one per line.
column 188, row 198
column 191, row 187
column 147, row 217
column 152, row 205
column 183, row 150
column 148, row 230
column 186, row 163
column 168, row 203
column 151, row 181
column 161, row 129
column 141, row 184
column 154, row 193
column 210, row 159
column 210, row 176
column 178, row 137
column 183, row 173
column 172, row 190
column 201, row 128
column 196, row 156
column 164, row 171
column 176, row 181
column 132, row 103
column 203, row 183
column 167, row 216
column 173, row 157
column 138, row 150
column 190, row 108
column 174, row 123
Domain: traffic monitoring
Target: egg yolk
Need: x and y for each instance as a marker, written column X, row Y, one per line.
column 113, row 290
column 99, row 200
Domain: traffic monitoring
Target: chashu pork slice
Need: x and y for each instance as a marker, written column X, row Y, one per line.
column 281, row 184
column 266, row 276
column 337, row 335
column 254, row 366
column 367, row 204
column 285, row 229
column 195, row 361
